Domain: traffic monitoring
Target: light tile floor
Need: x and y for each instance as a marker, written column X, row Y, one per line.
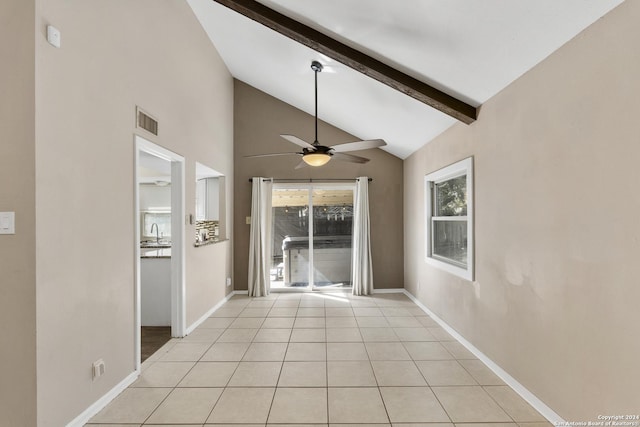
column 318, row 359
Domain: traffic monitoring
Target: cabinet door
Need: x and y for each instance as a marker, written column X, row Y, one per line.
column 213, row 199
column 201, row 200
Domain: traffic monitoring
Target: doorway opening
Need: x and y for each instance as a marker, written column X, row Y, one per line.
column 159, row 243
column 312, row 230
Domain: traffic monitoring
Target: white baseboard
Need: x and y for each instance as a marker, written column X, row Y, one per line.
column 389, row 291
column 536, row 403
column 208, row 314
column 375, row 291
column 99, row 404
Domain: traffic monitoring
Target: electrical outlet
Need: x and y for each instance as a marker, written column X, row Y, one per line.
column 228, row 281
column 247, row 220
column 98, row 369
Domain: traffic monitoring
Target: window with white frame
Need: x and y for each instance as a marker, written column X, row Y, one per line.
column 449, row 218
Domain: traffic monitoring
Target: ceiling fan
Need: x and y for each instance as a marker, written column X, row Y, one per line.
column 316, row 154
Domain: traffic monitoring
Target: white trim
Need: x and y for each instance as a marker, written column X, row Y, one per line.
column 310, row 186
column 311, row 283
column 463, row 167
column 178, row 258
column 389, row 291
column 137, row 335
column 208, row 314
column 178, row 262
column 531, row 399
column 99, row 404
column 158, row 151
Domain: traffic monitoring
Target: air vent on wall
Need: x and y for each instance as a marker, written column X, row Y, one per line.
column 147, row 122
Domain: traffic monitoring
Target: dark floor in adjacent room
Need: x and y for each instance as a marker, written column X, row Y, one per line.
column 152, row 338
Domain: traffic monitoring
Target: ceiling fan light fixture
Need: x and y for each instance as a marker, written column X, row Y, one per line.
column 316, row 159
column 317, row 154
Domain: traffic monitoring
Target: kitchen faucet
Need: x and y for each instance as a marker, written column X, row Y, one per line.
column 157, row 232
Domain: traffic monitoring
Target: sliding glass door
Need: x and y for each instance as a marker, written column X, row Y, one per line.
column 332, row 231
column 323, row 211
column 290, row 234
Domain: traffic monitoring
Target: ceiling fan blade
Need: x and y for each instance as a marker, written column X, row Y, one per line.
column 349, row 158
column 275, row 154
column 301, row 165
column 358, row 145
column 302, row 143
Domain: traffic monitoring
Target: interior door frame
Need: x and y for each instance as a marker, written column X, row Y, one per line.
column 310, row 186
column 178, row 303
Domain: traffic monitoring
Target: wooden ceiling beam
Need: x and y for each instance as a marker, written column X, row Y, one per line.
column 354, row 58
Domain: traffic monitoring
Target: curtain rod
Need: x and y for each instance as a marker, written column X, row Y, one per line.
column 311, row 180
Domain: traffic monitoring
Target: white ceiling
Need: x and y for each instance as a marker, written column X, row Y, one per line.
column 151, row 165
column 152, row 168
column 468, row 48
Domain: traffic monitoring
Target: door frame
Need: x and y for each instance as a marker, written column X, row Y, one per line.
column 310, row 186
column 178, row 300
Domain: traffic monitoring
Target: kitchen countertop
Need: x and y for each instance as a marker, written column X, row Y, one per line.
column 208, row 242
column 164, row 251
column 157, row 252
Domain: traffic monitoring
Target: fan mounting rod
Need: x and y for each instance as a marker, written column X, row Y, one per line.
column 316, row 67
column 316, row 154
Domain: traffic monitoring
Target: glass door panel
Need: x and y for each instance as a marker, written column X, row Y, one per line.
column 332, row 231
column 290, row 234
column 326, row 213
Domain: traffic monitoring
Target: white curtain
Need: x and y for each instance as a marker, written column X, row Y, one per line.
column 362, row 267
column 260, row 237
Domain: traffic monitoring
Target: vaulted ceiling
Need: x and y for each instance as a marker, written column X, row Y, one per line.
column 470, row 50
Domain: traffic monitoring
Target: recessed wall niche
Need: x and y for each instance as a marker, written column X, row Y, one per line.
column 210, row 209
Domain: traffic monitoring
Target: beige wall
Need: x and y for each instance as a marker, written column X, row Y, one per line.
column 555, row 301
column 17, row 194
column 115, row 55
column 258, row 121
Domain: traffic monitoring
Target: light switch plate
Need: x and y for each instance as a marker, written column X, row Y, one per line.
column 53, row 36
column 7, row 223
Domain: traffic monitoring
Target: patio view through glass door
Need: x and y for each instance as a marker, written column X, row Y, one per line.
column 324, row 211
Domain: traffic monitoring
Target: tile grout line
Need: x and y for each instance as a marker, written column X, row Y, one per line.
column 375, row 377
column 231, row 376
column 441, row 405
column 404, row 344
column 180, row 380
column 499, row 405
column 177, row 384
column 326, row 366
column 275, row 389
